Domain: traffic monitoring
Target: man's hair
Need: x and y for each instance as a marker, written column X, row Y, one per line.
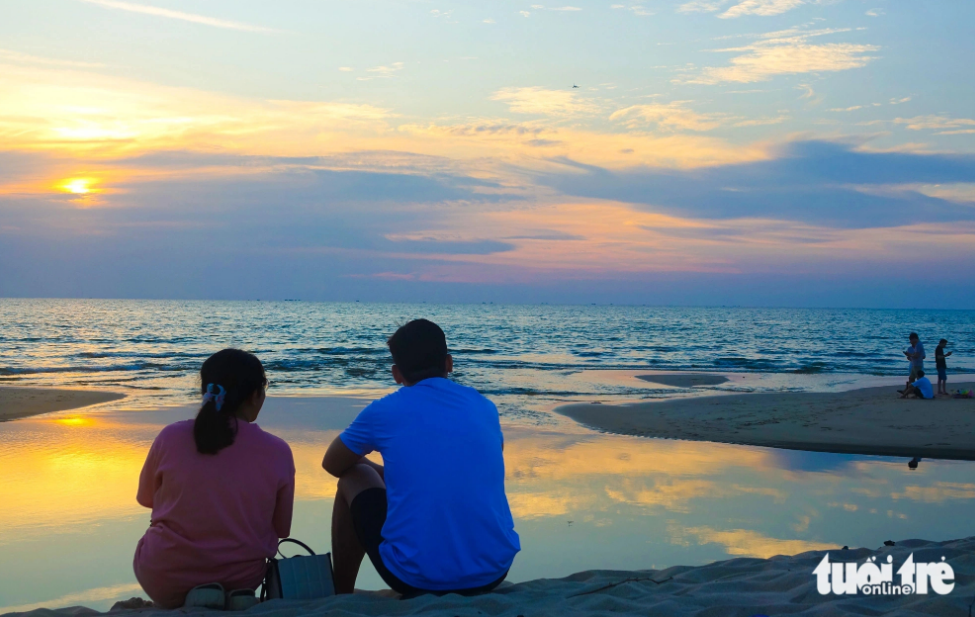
column 943, row 341
column 920, row 374
column 913, row 335
column 419, row 349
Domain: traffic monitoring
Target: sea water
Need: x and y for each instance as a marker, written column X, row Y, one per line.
column 152, row 350
column 581, row 499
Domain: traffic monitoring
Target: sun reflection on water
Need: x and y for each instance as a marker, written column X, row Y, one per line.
column 580, row 499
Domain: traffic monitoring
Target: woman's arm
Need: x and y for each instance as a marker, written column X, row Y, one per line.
column 284, row 509
column 147, row 479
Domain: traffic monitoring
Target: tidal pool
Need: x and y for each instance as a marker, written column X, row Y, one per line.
column 581, row 499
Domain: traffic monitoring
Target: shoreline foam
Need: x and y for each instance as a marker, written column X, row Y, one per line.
column 870, row 421
column 17, row 402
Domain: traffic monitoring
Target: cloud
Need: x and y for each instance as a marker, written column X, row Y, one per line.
column 7, row 55
column 542, row 101
column 636, row 9
column 786, row 52
column 672, row 116
column 761, row 7
column 383, row 71
column 170, row 14
column 876, row 12
column 761, row 121
column 542, row 7
column 813, row 182
column 702, row 6
column 944, row 125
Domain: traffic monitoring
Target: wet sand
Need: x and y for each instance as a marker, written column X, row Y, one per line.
column 23, row 402
column 687, row 380
column 866, row 421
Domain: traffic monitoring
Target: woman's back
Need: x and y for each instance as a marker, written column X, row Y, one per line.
column 215, row 517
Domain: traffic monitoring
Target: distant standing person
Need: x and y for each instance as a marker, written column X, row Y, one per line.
column 942, row 365
column 915, row 354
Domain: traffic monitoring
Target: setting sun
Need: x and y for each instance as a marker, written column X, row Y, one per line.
column 78, row 186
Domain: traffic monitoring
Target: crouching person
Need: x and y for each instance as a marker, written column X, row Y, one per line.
column 221, row 492
column 434, row 518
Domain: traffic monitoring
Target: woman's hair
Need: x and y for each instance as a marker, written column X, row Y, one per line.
column 239, row 374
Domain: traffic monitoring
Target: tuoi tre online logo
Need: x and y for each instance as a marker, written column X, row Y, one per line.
column 870, row 579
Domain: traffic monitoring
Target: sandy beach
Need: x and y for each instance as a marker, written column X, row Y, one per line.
column 742, row 587
column 23, row 402
column 866, row 421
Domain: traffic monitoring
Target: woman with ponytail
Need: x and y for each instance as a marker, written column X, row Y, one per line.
column 221, row 490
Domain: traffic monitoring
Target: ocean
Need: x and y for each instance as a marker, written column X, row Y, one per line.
column 522, row 355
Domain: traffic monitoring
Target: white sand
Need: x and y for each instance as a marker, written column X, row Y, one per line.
column 738, row 587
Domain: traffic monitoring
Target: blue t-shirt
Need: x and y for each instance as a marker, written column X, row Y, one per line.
column 448, row 525
column 917, row 362
column 923, row 385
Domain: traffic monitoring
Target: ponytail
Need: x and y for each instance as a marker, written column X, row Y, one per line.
column 228, row 378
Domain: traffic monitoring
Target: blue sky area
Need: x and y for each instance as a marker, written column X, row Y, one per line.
column 754, row 152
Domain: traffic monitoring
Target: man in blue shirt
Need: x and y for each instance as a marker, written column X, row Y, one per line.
column 921, row 388
column 434, row 517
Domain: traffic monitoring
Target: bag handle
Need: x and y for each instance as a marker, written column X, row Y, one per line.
column 293, row 541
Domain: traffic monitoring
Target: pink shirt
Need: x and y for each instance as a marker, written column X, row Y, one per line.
column 215, row 517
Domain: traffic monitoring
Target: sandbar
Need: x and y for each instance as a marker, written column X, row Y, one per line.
column 685, row 380
column 873, row 421
column 18, row 402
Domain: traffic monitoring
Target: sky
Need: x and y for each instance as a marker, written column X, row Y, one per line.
column 688, row 152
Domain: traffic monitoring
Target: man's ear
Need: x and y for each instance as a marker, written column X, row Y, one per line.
column 449, row 364
column 398, row 375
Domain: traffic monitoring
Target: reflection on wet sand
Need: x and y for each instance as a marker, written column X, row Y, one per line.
column 744, row 542
column 581, row 499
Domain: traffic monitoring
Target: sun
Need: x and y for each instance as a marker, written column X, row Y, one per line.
column 78, row 186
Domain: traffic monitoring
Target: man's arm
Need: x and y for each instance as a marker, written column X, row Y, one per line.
column 339, row 459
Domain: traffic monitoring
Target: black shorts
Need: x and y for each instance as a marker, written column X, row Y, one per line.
column 368, row 516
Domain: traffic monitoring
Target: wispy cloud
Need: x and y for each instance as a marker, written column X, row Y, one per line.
column 383, row 71
column 636, row 9
column 761, row 121
column 761, row 7
column 876, row 12
column 542, row 7
column 944, row 125
column 146, row 9
column 786, row 52
column 544, row 101
column 702, row 6
column 673, row 116
column 7, row 55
